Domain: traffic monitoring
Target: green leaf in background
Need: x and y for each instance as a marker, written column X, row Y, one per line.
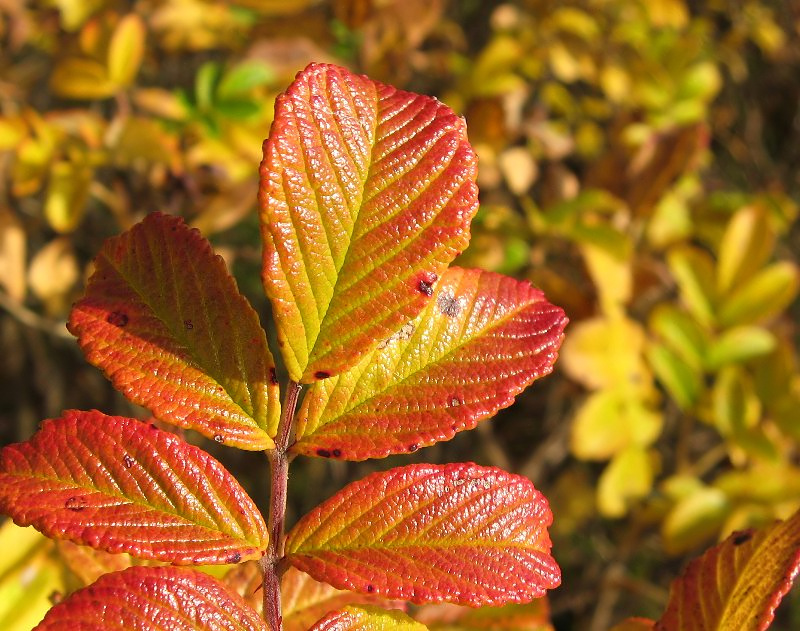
column 739, row 344
column 693, row 270
column 745, row 247
column 682, row 381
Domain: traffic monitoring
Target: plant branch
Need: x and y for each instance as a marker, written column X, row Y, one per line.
column 279, row 478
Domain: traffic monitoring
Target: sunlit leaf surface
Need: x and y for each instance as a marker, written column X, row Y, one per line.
column 367, row 619
column 366, row 196
column 483, row 339
column 162, row 317
column 153, row 599
column 121, row 485
column 432, row 533
column 736, row 585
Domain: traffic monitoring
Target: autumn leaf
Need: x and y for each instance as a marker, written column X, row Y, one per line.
column 366, row 196
column 164, row 320
column 431, row 533
column 738, row 584
column 482, row 340
column 367, row 619
column 153, row 599
column 121, row 485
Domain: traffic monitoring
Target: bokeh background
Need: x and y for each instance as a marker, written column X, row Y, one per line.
column 639, row 161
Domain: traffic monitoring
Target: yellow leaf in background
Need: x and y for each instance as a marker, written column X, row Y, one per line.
column 667, row 13
column 628, row 477
column 275, row 7
column 612, row 276
column 616, row 83
column 606, row 352
column 53, row 273
column 610, row 422
column 12, row 131
column 126, row 49
column 74, row 13
column 142, row 141
column 29, row 574
column 576, row 22
column 12, row 255
column 160, row 102
column 195, row 24
column 762, row 297
column 79, row 78
column 694, row 272
column 67, row 194
column 694, row 520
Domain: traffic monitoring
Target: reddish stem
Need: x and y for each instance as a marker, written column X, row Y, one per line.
column 279, row 478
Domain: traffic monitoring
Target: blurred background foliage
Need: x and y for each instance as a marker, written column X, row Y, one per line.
column 638, row 161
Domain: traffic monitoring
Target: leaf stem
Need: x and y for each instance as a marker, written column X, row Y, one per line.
column 279, row 478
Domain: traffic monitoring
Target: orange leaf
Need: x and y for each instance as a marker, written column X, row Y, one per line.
column 431, row 533
column 163, row 318
column 736, row 585
column 121, row 485
column 366, row 196
column 482, row 339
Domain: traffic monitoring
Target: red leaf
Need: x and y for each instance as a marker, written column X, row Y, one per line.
column 367, row 619
column 482, row 340
column 431, row 533
column 162, row 317
column 366, row 193
column 120, row 485
column 736, row 585
column 153, row 599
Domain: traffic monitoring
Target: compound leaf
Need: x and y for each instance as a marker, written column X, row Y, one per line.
column 121, row 485
column 366, row 197
column 153, row 599
column 736, row 585
column 432, row 533
column 367, row 619
column 164, row 320
column 482, row 339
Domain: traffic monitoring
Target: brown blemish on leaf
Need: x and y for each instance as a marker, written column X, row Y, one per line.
column 321, row 374
column 219, row 438
column 76, row 504
column 117, row 318
column 742, row 537
column 323, row 453
column 273, row 377
column 413, row 447
column 405, row 332
column 188, row 325
column 370, row 589
column 128, row 460
column 336, row 453
column 234, row 558
column 454, row 402
column 425, row 287
column 448, row 305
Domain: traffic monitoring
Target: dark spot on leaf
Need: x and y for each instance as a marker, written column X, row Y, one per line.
column 321, row 374
column 55, row 597
column 454, row 401
column 742, row 537
column 413, row 447
column 370, row 589
column 128, row 461
column 153, row 426
column 425, row 288
column 323, row 453
column 188, row 324
column 76, row 504
column 117, row 318
column 273, row 377
column 219, row 438
column 336, row 453
column 234, row 558
column 448, row 305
